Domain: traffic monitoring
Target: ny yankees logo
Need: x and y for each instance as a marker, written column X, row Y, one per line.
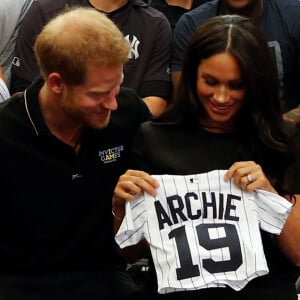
column 134, row 44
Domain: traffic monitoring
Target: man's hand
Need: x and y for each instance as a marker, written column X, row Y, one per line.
column 132, row 182
column 293, row 115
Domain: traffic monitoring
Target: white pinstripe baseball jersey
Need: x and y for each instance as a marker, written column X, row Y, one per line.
column 203, row 232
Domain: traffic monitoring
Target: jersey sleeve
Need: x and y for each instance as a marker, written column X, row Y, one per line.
column 4, row 93
column 273, row 211
column 131, row 229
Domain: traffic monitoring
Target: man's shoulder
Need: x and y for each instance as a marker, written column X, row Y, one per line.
column 12, row 112
column 145, row 16
column 47, row 6
column 204, row 11
column 126, row 93
column 148, row 10
column 283, row 3
column 284, row 13
column 131, row 111
column 128, row 99
column 198, row 15
column 284, row 7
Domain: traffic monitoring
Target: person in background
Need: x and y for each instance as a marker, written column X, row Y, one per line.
column 280, row 22
column 64, row 142
column 174, row 9
column 4, row 92
column 226, row 116
column 11, row 15
column 146, row 29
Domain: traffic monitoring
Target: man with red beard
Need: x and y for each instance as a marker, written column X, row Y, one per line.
column 64, row 142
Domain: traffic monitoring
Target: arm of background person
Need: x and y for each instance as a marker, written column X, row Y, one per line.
column 25, row 68
column 181, row 36
column 175, row 75
column 294, row 114
column 155, row 87
column 156, row 105
column 289, row 239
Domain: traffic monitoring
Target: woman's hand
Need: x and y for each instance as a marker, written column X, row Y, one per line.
column 249, row 176
column 131, row 183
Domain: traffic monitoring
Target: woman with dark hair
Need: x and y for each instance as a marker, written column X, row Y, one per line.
column 226, row 116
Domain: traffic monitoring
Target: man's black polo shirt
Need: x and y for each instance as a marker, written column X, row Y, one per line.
column 55, row 207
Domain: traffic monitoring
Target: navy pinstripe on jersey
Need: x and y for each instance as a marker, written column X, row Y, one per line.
column 203, row 232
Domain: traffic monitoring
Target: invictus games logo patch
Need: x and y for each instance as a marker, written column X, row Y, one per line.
column 111, row 155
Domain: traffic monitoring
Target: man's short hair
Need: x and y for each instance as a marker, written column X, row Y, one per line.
column 78, row 37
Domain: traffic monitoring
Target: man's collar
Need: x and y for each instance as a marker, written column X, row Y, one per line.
column 32, row 106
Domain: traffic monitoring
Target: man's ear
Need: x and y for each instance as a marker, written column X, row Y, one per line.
column 56, row 83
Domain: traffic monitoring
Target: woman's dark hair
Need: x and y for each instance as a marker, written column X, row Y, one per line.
column 260, row 118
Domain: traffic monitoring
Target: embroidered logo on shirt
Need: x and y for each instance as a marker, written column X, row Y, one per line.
column 111, row 154
column 76, row 176
column 134, row 45
column 16, row 61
